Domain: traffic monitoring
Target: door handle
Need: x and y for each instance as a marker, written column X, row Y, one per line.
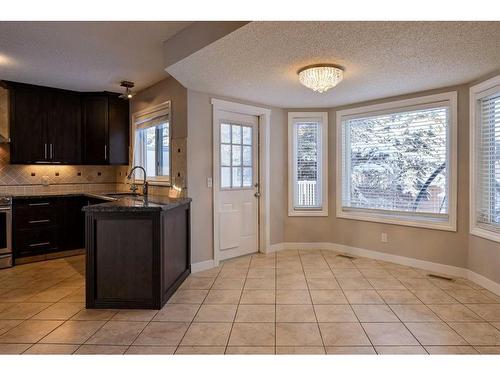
column 257, row 195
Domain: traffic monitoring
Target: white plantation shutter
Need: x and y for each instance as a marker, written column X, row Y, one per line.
column 396, row 161
column 307, row 163
column 488, row 162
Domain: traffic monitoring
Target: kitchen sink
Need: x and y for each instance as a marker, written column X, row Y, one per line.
column 123, row 195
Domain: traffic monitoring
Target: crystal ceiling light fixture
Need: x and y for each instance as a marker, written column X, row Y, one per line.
column 321, row 77
column 128, row 93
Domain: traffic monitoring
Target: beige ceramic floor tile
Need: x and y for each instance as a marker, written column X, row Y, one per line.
column 300, row 350
column 101, row 349
column 60, row 311
column 188, row 296
column 200, row 350
column 250, row 350
column 346, row 350
column 13, row 348
column 51, row 295
column 29, row 331
column 389, row 334
column 286, row 282
column 435, row 334
column 455, row 313
column 97, row 314
column 295, row 313
column 162, row 333
column 374, row 313
column 260, row 284
column 207, row 334
column 177, row 312
column 73, row 332
column 6, row 325
column 489, row 312
column 252, row 334
column 135, row 315
column 334, row 314
column 293, row 297
column 52, row 349
column 225, row 297
column 261, row 273
column 470, row 296
column 417, row 284
column 386, row 283
column 398, row 297
column 229, row 284
column 451, row 349
column 478, row 333
column 400, row 350
column 298, row 334
column 216, row 313
column 117, row 333
column 256, row 313
column 363, row 297
column 258, row 297
column 24, row 310
column 151, row 350
column 434, row 296
column 343, row 334
column 322, row 284
column 376, row 273
column 194, row 282
column 328, row 297
column 488, row 349
column 415, row 313
column 354, row 283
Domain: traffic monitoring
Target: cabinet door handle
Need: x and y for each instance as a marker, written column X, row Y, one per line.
column 105, row 152
column 39, row 204
column 51, row 150
column 39, row 244
column 39, row 221
column 45, row 150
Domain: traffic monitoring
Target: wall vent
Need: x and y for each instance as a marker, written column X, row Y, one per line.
column 345, row 256
column 440, row 277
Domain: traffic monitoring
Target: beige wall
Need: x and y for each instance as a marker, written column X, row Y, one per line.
column 431, row 245
column 169, row 89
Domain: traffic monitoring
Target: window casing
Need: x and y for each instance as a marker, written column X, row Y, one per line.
column 308, row 164
column 485, row 159
column 396, row 162
column 151, row 132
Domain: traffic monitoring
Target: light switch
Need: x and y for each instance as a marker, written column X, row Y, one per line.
column 209, row 182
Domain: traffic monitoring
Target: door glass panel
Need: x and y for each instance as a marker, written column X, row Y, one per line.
column 247, row 135
column 225, row 133
column 236, row 155
column 225, row 155
column 225, row 180
column 247, row 155
column 236, row 177
column 247, row 176
column 236, row 134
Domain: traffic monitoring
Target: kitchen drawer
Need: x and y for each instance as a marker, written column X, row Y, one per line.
column 36, row 216
column 36, row 241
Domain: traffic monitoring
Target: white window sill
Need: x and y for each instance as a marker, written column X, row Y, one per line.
column 485, row 233
column 308, row 212
column 409, row 221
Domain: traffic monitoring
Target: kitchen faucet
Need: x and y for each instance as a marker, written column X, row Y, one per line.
column 145, row 184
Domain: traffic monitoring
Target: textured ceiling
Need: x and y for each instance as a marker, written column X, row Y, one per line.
column 259, row 61
column 85, row 56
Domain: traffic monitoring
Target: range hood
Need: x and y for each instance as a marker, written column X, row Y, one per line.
column 4, row 115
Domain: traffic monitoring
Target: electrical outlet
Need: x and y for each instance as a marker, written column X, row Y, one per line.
column 209, row 182
column 45, row 180
column 383, row 237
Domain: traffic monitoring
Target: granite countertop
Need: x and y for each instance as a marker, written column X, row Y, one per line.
column 117, row 201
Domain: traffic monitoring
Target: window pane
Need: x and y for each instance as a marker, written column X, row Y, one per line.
column 236, row 134
column 225, row 133
column 247, row 177
column 164, row 152
column 225, row 155
column 236, row 177
column 150, row 146
column 247, row 135
column 307, row 164
column 397, row 161
column 236, row 155
column 247, row 155
column 225, row 177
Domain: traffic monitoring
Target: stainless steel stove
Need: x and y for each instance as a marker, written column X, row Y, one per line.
column 5, row 232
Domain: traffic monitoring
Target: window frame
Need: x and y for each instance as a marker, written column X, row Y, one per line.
column 155, row 180
column 398, row 218
column 323, row 209
column 476, row 93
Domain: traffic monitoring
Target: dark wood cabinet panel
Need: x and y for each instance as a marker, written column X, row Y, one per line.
column 28, row 136
column 64, row 128
column 118, row 133
column 95, row 129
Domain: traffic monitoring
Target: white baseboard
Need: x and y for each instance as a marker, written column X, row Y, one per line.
column 202, row 266
column 406, row 261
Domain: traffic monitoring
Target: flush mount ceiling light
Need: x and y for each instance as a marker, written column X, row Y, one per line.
column 321, row 77
column 128, row 93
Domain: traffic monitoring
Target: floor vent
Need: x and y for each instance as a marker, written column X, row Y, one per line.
column 440, row 277
column 345, row 256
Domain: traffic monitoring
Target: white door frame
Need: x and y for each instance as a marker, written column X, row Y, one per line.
column 264, row 115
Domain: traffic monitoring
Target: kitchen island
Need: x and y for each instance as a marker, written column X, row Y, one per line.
column 138, row 251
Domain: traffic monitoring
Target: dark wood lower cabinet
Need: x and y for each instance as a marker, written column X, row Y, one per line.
column 136, row 259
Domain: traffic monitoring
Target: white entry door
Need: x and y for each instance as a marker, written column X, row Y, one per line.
column 236, row 159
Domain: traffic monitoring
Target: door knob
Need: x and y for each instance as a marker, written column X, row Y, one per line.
column 257, row 195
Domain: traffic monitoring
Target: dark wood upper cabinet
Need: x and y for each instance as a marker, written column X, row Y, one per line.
column 58, row 126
